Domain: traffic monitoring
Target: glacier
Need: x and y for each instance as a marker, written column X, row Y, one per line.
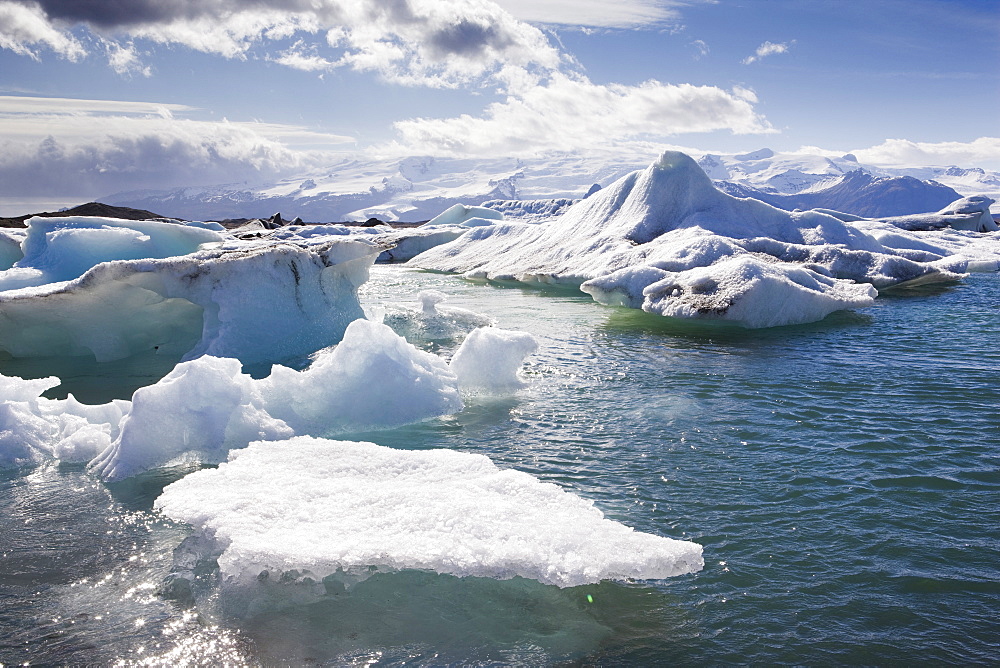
column 665, row 240
column 326, row 507
column 418, row 188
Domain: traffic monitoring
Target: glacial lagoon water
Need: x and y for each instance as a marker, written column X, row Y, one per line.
column 843, row 478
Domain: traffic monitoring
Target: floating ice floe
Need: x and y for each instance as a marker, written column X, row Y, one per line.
column 488, row 360
column 34, row 429
column 259, row 303
column 205, row 407
column 722, row 258
column 325, row 506
column 969, row 213
column 372, row 379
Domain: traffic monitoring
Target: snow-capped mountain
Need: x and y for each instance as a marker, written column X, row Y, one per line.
column 859, row 193
column 410, row 189
column 418, row 188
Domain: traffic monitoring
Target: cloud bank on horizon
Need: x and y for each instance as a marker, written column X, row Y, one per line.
column 535, row 93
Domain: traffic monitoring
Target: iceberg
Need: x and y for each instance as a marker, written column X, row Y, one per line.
column 324, row 507
column 60, row 249
column 259, row 302
column 10, row 247
column 205, row 407
column 665, row 240
column 462, row 213
column 488, row 360
column 744, row 289
column 373, row 379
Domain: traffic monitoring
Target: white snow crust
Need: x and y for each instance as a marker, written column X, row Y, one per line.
column 723, row 258
column 326, row 506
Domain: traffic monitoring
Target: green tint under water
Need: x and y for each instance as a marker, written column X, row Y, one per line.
column 843, row 478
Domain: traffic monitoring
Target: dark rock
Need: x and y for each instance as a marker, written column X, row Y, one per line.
column 88, row 209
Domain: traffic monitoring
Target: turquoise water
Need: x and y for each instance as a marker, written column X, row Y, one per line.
column 843, row 478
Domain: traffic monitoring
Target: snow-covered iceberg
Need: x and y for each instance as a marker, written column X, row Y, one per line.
column 258, row 302
column 665, row 240
column 460, row 214
column 325, row 507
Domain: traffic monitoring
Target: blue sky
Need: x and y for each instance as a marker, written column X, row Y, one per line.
column 101, row 96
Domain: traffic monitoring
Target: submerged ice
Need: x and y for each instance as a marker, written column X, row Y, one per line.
column 325, row 507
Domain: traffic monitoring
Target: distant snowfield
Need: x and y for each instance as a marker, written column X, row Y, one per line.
column 418, row 188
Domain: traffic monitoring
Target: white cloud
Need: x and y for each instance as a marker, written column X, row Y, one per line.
column 124, row 60
column 594, row 13
column 17, row 104
column 571, row 113
column 984, row 152
column 24, row 27
column 52, row 146
column 701, row 49
column 440, row 43
column 768, row 49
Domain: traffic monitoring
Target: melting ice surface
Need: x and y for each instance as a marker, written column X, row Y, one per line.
column 326, row 506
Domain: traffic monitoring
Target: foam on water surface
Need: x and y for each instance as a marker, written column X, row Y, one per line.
column 326, row 506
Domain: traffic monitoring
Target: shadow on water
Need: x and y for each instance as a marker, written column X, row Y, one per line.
column 927, row 290
column 140, row 491
column 90, row 381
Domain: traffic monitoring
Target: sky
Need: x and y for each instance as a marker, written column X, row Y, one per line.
column 102, row 96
